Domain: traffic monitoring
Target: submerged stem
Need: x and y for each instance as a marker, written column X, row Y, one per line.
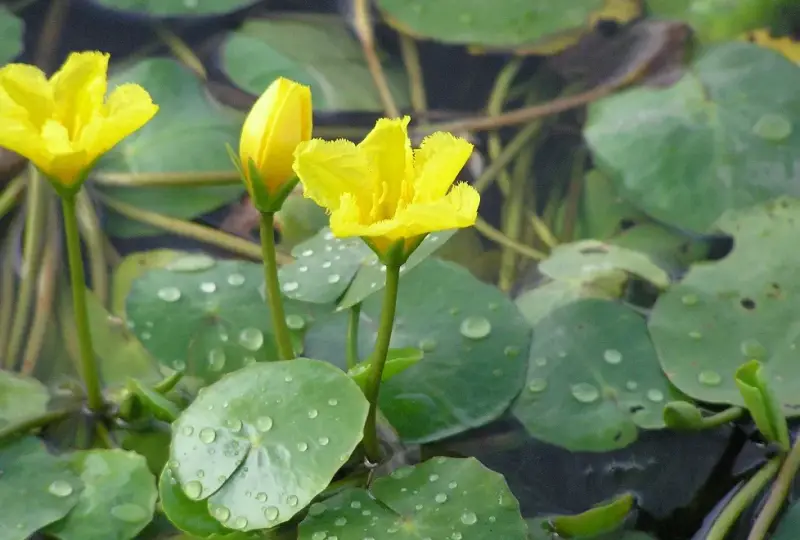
column 378, row 361
column 285, row 349
column 89, row 371
column 352, row 336
column 777, row 497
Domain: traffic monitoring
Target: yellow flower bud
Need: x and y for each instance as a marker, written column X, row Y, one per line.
column 279, row 121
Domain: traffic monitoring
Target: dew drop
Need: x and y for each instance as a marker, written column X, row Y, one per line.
column 655, row 395
column 512, row 351
column 271, row 513
column 319, row 535
column 340, row 522
column 235, row 279
column 290, row 286
column 239, row 523
column 129, row 512
column 193, row 490
column 261, row 496
column 317, row 509
column 288, row 378
column 234, row 424
column 313, row 413
column 709, row 378
column 694, row 334
column 753, row 349
column 440, row 498
column 475, row 327
column 301, row 446
column 540, row 361
column 169, row 294
column 631, row 385
column 585, row 392
column 323, row 441
column 689, row 299
column 537, row 385
column 355, row 505
column 264, row 423
column 433, row 478
column 216, row 359
column 452, row 485
column 333, row 278
column 60, row 488
column 295, row 322
column 773, row 127
column 326, row 264
column 249, row 360
column 469, row 518
column 222, row 513
column 179, row 365
column 333, row 402
column 427, row 344
column 208, row 287
column 251, row 339
column 207, row 435
column 191, row 263
column 292, row 500
column 307, row 253
column 303, row 269
column 456, row 536
column 612, row 356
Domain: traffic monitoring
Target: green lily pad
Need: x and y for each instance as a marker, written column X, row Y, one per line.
column 584, row 260
column 11, row 29
column 188, row 134
column 725, row 136
column 600, row 519
column 152, row 443
column 36, row 488
column 789, row 527
column 317, row 50
column 21, row 397
column 740, row 308
column 327, row 269
column 299, row 219
column 593, row 378
column 263, row 441
column 502, row 23
column 118, row 501
column 441, row 498
column 668, row 248
column 189, row 516
column 535, row 304
column 133, row 267
column 207, row 317
column 177, row 8
column 474, row 340
column 716, row 20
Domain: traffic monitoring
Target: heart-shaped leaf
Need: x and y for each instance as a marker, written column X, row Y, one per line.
column 20, row 398
column 177, row 8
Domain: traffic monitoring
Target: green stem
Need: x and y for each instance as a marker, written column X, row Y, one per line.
column 6, row 291
column 378, row 361
column 34, row 422
column 494, row 107
column 168, row 179
column 10, row 195
column 743, row 499
column 777, row 497
column 515, row 146
column 723, row 417
column 352, row 336
column 89, row 371
column 513, row 215
column 93, row 239
column 285, row 348
column 492, row 233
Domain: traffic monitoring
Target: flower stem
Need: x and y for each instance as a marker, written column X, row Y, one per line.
column 378, row 360
column 727, row 518
column 352, row 336
column 89, row 371
column 780, row 490
column 285, row 349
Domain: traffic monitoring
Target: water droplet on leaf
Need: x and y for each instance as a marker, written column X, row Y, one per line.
column 169, row 294
column 585, row 392
column 612, row 356
column 773, row 127
column 60, row 488
column 207, row 435
column 216, row 359
column 193, row 490
column 235, row 280
column 537, row 385
column 130, row 513
column 208, row 287
column 475, row 327
column 264, row 423
column 295, row 322
column 440, row 498
column 469, row 518
column 709, row 378
column 251, row 339
column 271, row 513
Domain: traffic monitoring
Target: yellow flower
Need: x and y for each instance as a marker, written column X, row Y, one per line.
column 279, row 121
column 64, row 124
column 784, row 45
column 384, row 191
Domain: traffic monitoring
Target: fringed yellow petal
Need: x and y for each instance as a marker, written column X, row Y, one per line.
column 25, row 88
column 437, row 162
column 330, row 169
column 458, row 209
column 388, row 150
column 79, row 89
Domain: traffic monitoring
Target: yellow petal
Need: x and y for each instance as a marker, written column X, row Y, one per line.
column 456, row 210
column 129, row 107
column 20, row 137
column 79, row 89
column 347, row 220
column 27, row 87
column 329, row 169
column 388, row 150
column 66, row 163
column 437, row 162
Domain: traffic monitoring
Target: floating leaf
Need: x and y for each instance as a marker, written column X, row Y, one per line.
column 585, row 260
column 118, row 501
column 207, row 317
column 263, row 441
column 317, row 50
column 188, row 135
column 133, row 267
column 682, row 415
column 441, row 498
column 535, row 24
column 186, row 514
column 716, row 20
column 789, row 527
column 397, row 361
column 593, row 378
column 537, row 303
column 326, row 267
column 36, row 488
column 679, row 153
column 740, row 308
column 21, row 397
column 601, row 519
column 11, row 29
column 177, row 8
column 474, row 340
column 761, row 402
